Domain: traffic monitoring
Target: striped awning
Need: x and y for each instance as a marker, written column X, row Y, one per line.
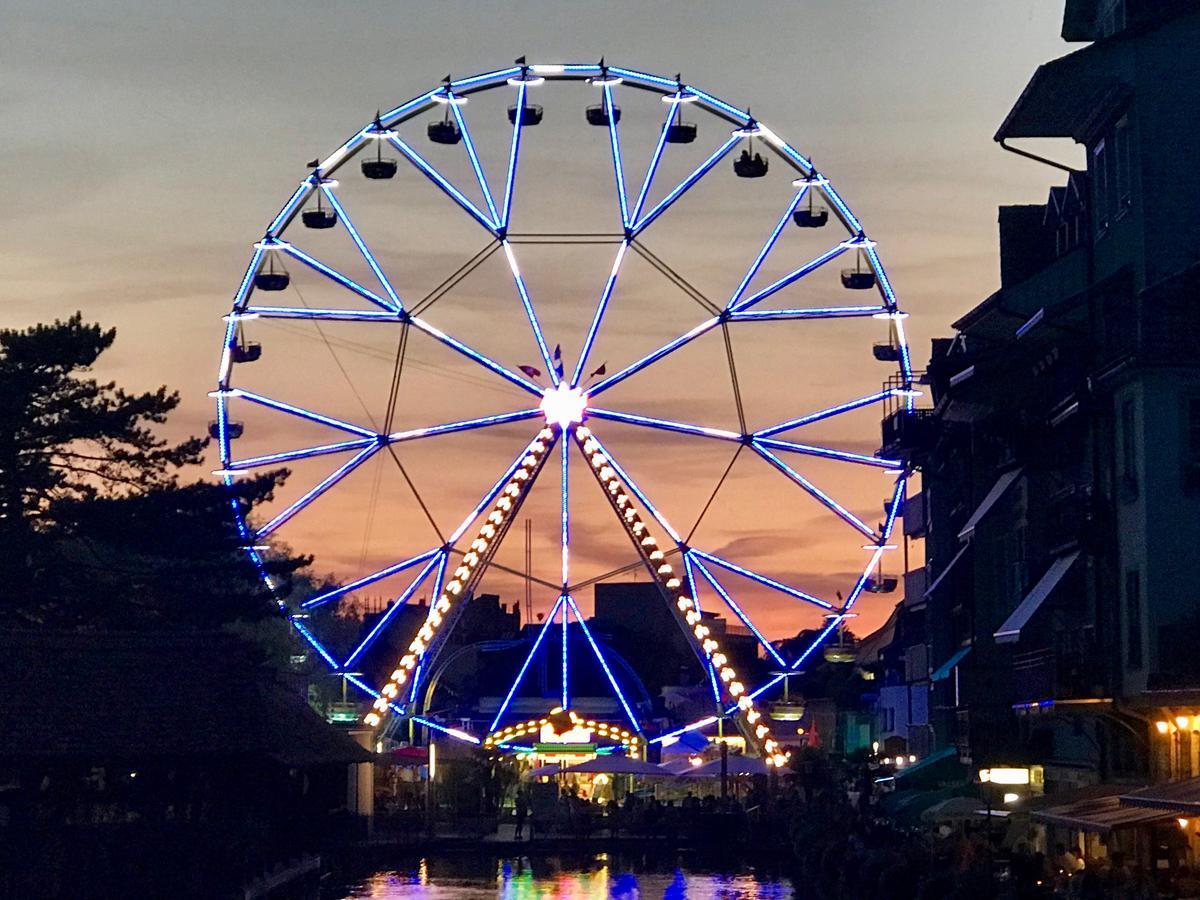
column 1003, row 483
column 1098, row 815
column 1175, row 797
column 1010, row 631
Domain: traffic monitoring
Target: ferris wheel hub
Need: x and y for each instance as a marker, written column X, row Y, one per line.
column 564, row 405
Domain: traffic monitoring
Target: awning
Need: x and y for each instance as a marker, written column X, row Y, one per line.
column 932, row 759
column 1098, row 815
column 943, row 671
column 1003, row 483
column 1010, row 631
column 1176, row 797
column 946, row 571
column 1066, row 97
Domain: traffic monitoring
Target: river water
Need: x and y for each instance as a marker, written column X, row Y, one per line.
column 602, row 875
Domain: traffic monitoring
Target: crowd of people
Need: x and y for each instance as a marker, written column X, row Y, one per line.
column 690, row 817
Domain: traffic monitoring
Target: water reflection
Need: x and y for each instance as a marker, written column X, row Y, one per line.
column 555, row 878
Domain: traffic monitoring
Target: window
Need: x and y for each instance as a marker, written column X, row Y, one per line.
column 1099, row 173
column 1123, row 160
column 1129, row 441
column 1133, row 619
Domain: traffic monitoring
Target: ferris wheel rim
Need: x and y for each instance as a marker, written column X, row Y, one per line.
column 634, row 219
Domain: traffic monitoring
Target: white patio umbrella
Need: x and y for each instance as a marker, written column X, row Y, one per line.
column 616, row 765
column 737, row 765
column 546, row 770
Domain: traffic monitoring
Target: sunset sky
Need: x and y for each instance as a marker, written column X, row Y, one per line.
column 150, row 144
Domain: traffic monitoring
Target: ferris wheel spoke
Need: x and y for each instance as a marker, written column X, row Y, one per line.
column 566, row 523
column 332, row 274
column 668, row 425
column 514, row 150
column 815, row 492
column 397, row 437
column 601, row 306
column 324, row 485
column 829, row 412
column 655, row 355
column 440, row 181
column 654, row 161
column 344, row 218
column 394, row 568
column 329, row 315
column 306, row 633
column 829, row 453
column 739, row 612
column 795, row 275
column 273, row 459
column 608, row 673
column 767, row 246
column 828, row 312
column 764, row 580
column 299, row 412
column 558, row 606
column 615, row 141
column 396, row 606
column 703, row 169
column 469, row 145
column 552, row 365
column 472, row 354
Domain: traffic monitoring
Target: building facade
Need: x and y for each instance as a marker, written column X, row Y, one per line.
column 1060, row 460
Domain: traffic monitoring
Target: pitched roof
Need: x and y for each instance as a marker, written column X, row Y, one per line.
column 138, row 695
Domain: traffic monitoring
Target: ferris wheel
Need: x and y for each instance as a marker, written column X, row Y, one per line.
column 640, row 152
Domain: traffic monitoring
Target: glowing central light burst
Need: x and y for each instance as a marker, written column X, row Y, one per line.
column 563, row 405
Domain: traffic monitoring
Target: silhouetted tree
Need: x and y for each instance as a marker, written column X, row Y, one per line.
column 95, row 526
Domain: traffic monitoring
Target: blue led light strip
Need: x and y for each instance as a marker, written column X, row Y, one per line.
column 475, row 355
column 400, row 602
column 615, row 141
column 525, row 665
column 814, row 491
column 653, row 167
column 612, row 680
column 336, row 315
column 705, row 167
column 469, row 145
column 566, row 569
column 761, row 579
column 794, row 275
column 737, row 611
column 436, row 177
column 337, row 592
column 344, row 219
column 605, row 296
column 655, row 355
column 529, row 312
column 766, row 248
column 828, row 312
column 826, row 413
column 289, row 455
column 337, row 277
column 324, row 485
column 514, row 149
